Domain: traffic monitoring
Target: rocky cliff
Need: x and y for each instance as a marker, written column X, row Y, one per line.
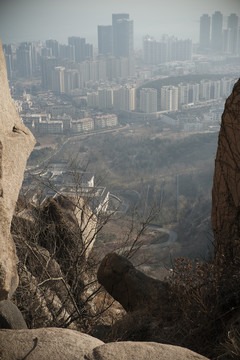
column 226, row 184
column 16, row 144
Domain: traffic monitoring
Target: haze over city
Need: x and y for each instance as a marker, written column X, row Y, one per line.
column 28, row 20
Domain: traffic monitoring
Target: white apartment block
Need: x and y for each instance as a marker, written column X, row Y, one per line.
column 105, row 98
column 148, row 100
column 169, row 98
column 188, row 93
column 93, row 99
column 226, row 86
column 58, row 79
column 71, row 80
column 210, row 89
column 109, row 120
column 124, row 98
column 82, row 125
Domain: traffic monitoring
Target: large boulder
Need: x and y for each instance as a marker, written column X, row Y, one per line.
column 226, row 184
column 129, row 286
column 16, row 143
column 141, row 351
column 10, row 316
column 45, row 343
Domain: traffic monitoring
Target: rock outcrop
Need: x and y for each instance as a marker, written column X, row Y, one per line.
column 10, row 316
column 61, row 344
column 226, row 184
column 45, row 343
column 126, row 350
column 16, row 143
column 132, row 288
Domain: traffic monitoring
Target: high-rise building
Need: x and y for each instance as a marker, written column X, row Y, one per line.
column 24, row 60
column 124, row 98
column 168, row 49
column 93, row 100
column 205, row 89
column 54, row 46
column 204, row 40
column 188, row 93
column 148, row 100
column 217, row 31
column 83, row 50
column 169, row 98
column 8, row 59
column 226, row 86
column 71, row 80
column 105, row 97
column 154, row 52
column 67, row 52
column 105, row 40
column 232, row 34
column 58, row 79
column 47, row 66
column 122, row 28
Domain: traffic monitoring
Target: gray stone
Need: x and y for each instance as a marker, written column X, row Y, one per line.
column 45, row 343
column 226, row 184
column 10, row 316
column 16, row 144
column 129, row 286
column 127, row 350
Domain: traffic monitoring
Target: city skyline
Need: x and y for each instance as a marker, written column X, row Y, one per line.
column 27, row 20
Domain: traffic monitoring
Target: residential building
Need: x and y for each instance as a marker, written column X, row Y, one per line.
column 124, row 98
column 58, row 79
column 167, row 50
column 54, row 46
column 82, row 125
column 205, row 24
column 83, row 51
column 108, row 120
column 47, row 66
column 50, row 127
column 105, row 40
column 188, row 93
column 105, row 98
column 122, row 28
column 24, row 60
column 217, row 31
column 148, row 100
column 169, row 98
column 230, row 38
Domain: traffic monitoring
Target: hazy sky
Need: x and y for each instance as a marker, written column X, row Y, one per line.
column 30, row 20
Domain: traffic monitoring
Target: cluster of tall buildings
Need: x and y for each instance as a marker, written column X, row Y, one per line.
column 168, row 98
column 166, row 50
column 116, row 39
column 122, row 97
column 214, row 36
column 71, row 76
column 175, row 97
column 64, row 68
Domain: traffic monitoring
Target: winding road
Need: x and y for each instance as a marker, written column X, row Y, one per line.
column 172, row 236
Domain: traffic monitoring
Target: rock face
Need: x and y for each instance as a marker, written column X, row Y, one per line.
column 61, row 344
column 10, row 316
column 16, row 143
column 133, row 289
column 226, row 184
column 141, row 351
column 45, row 343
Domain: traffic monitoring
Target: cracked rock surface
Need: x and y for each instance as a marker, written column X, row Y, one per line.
column 226, row 184
column 16, row 144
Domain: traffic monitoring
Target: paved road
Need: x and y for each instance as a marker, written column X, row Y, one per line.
column 172, row 236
